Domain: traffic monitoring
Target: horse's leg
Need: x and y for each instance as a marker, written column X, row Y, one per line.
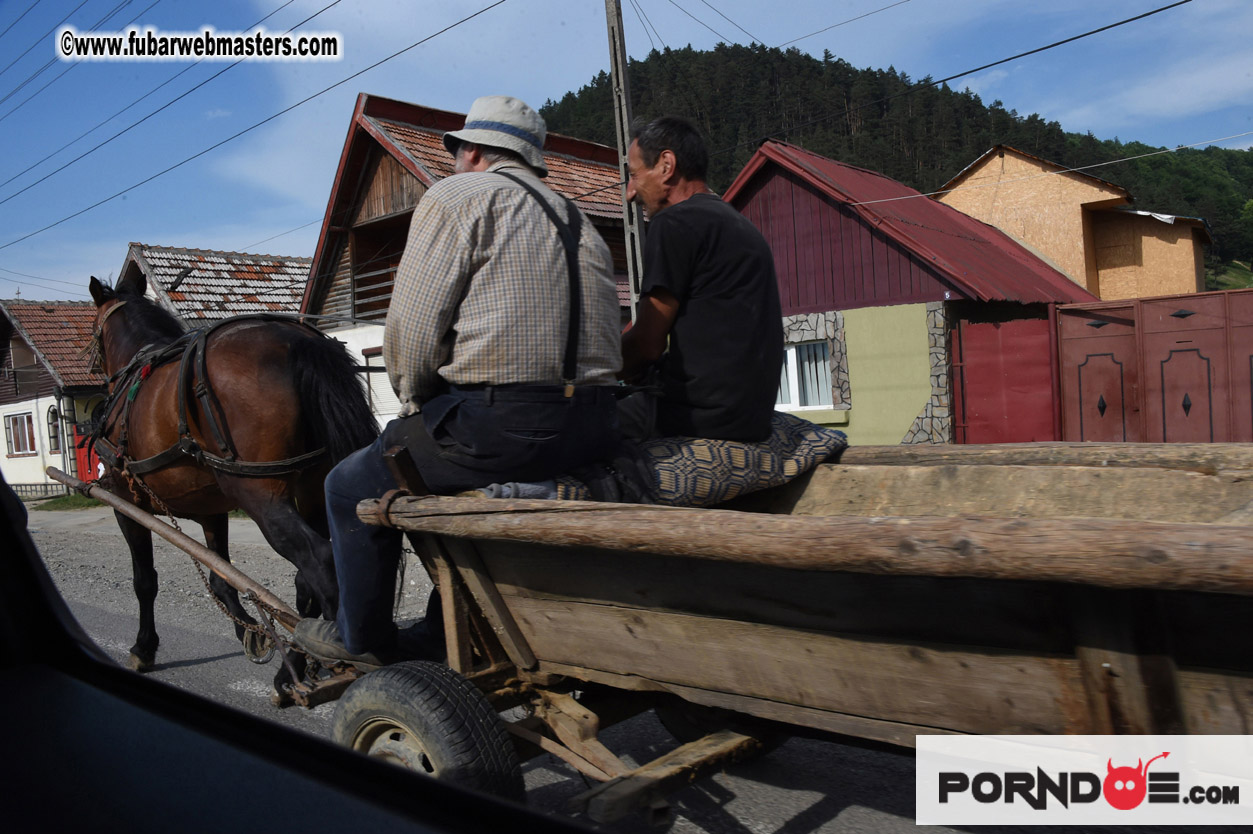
column 144, row 574
column 293, row 539
column 216, row 536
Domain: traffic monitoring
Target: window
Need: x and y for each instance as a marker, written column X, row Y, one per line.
column 54, row 430
column 806, row 378
column 19, row 434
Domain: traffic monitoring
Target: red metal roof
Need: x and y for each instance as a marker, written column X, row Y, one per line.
column 217, row 285
column 57, row 331
column 980, row 261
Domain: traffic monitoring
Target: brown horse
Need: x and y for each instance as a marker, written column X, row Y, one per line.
column 253, row 420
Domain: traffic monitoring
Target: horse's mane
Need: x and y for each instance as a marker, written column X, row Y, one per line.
column 150, row 317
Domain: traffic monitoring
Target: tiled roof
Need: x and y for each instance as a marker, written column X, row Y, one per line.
column 217, row 285
column 592, row 185
column 57, row 331
column 983, row 261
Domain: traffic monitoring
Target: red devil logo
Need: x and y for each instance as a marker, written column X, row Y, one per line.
column 1125, row 787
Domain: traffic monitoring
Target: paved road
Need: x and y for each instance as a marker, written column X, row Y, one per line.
column 804, row 786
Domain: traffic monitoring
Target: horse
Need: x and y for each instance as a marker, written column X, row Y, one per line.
column 250, row 413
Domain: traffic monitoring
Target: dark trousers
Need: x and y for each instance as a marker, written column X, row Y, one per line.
column 468, row 438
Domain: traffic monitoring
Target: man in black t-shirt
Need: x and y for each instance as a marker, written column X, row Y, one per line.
column 708, row 314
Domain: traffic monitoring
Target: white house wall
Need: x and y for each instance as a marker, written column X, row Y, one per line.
column 30, row 469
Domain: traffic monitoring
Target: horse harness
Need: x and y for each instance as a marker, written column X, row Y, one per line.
column 193, row 378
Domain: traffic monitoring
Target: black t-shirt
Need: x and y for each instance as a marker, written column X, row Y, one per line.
column 720, row 376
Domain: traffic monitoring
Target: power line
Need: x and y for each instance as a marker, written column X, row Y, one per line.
column 733, row 23
column 841, row 23
column 136, row 124
column 724, row 38
column 61, row 74
column 253, row 127
column 1077, row 169
column 19, row 17
column 280, row 234
column 929, row 84
column 639, row 14
column 42, row 37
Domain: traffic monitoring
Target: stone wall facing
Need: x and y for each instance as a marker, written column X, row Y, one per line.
column 935, row 423
column 829, row 327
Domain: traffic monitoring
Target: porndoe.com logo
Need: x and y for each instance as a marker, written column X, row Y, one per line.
column 1084, row 780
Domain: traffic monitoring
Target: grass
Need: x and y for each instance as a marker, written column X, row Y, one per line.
column 1233, row 276
column 73, row 501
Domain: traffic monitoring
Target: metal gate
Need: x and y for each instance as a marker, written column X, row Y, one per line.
column 1177, row 369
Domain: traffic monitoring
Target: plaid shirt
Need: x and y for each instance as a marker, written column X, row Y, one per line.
column 482, row 292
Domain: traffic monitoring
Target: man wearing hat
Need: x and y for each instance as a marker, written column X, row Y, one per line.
column 501, row 377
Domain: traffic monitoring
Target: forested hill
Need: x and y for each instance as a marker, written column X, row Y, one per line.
column 883, row 120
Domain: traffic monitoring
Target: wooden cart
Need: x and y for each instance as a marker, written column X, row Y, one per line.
column 1005, row 589
column 1038, row 588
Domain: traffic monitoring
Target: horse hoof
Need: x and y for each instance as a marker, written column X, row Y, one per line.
column 281, row 699
column 139, row 664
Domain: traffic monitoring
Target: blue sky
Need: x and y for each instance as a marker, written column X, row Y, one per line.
column 1181, row 77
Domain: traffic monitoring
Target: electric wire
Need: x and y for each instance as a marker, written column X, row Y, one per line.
column 42, row 37
column 640, row 15
column 136, row 124
column 724, row 38
column 252, row 127
column 62, row 73
column 101, row 124
column 929, row 84
column 842, row 23
column 18, row 18
column 733, row 23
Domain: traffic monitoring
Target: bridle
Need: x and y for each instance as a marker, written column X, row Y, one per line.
column 94, row 351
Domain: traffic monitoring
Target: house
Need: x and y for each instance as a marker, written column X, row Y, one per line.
column 47, row 391
column 392, row 154
column 906, row 320
column 201, row 285
column 1082, row 225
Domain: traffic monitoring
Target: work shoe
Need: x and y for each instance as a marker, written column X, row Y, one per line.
column 320, row 639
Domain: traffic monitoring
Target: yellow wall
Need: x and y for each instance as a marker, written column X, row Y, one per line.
column 1139, row 256
column 1044, row 212
column 889, row 368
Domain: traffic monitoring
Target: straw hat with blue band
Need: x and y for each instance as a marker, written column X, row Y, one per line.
column 504, row 122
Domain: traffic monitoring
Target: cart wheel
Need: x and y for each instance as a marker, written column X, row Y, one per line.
column 426, row 717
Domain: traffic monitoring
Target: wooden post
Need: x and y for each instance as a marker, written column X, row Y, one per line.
column 631, row 224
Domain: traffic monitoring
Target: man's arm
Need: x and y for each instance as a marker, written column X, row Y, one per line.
column 645, row 342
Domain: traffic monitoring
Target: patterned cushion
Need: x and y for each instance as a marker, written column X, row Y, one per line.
column 696, row 472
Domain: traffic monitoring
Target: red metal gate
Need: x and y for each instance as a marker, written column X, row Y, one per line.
column 1163, row 370
column 1003, row 381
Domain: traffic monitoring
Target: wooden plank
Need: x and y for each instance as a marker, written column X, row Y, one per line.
column 1101, row 552
column 1016, row 491
column 627, row 794
column 1208, row 458
column 824, row 721
column 456, row 618
column 483, row 589
column 969, row 690
column 1016, row 615
column 1217, row 702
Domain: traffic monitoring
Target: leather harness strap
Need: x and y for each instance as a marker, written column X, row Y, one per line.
column 191, row 349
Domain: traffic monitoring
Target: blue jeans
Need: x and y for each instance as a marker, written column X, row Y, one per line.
column 468, row 438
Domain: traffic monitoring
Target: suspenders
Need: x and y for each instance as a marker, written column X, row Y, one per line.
column 569, row 234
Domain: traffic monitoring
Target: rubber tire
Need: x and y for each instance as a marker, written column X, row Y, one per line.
column 426, row 717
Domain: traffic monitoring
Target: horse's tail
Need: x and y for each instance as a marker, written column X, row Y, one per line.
column 332, row 395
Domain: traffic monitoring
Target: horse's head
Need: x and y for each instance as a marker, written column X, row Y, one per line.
column 115, row 340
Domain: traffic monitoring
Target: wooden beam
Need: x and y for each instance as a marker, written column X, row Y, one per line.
column 483, row 589
column 1208, row 458
column 622, row 796
column 1110, row 553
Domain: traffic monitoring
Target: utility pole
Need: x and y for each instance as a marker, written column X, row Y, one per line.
column 631, row 224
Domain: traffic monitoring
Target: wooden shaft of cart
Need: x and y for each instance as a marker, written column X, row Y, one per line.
column 211, row 560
